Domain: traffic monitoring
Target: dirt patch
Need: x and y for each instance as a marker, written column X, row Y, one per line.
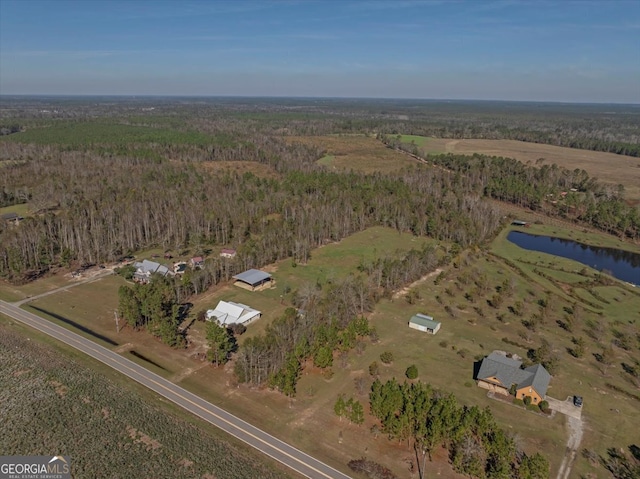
column 19, row 373
column 406, row 289
column 61, row 389
column 141, row 438
column 105, row 413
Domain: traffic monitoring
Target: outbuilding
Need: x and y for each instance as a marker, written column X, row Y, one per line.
column 424, row 323
column 253, row 280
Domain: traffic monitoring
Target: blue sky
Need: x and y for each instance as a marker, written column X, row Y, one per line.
column 574, row 51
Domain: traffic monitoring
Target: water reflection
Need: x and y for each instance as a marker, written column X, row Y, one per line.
column 621, row 264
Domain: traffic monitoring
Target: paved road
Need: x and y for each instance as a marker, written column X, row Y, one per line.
column 269, row 445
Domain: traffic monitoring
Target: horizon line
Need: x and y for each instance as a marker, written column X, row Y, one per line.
column 295, row 97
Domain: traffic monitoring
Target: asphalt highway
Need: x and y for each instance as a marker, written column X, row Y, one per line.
column 282, row 452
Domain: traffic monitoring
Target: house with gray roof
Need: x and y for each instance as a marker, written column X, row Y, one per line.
column 146, row 268
column 499, row 373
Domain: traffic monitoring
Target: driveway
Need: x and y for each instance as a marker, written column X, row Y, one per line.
column 565, row 407
column 575, row 427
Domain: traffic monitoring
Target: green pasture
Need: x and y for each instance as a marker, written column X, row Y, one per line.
column 419, row 141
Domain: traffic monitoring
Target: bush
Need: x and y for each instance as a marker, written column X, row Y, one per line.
column 386, row 357
column 518, row 402
column 544, row 406
column 527, row 400
column 237, row 328
column 411, row 372
column 374, row 369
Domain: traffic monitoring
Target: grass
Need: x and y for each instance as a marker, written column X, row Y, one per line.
column 419, row 141
column 354, row 152
column 56, row 401
column 10, row 292
column 22, row 209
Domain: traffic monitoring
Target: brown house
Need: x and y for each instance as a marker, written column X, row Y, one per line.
column 499, row 373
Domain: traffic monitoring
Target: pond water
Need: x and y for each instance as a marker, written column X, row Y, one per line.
column 623, row 265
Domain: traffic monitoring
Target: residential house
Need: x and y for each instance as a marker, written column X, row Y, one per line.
column 147, row 268
column 197, row 262
column 228, row 312
column 228, row 253
column 500, row 373
column 424, row 323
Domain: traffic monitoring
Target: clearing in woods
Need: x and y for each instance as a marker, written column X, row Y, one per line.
column 354, row 152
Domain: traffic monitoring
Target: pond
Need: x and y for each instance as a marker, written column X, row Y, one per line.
column 624, row 265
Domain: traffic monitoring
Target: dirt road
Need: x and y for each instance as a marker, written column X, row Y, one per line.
column 576, row 430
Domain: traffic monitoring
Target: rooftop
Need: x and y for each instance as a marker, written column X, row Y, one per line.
column 253, row 277
column 422, row 320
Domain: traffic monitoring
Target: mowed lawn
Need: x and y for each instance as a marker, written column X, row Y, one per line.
column 353, row 152
column 606, row 167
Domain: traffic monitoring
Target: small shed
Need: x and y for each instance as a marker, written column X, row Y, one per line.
column 253, row 280
column 424, row 323
column 519, row 223
column 228, row 253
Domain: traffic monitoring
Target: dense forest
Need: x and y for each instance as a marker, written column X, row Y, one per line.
column 98, row 208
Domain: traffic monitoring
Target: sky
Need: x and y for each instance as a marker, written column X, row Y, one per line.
column 567, row 51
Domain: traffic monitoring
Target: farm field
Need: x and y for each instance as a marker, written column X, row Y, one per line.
column 355, row 152
column 111, row 428
column 607, row 167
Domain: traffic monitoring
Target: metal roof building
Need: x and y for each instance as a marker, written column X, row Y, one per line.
column 252, row 279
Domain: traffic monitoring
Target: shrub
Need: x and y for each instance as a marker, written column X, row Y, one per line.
column 518, row 402
column 374, row 369
column 527, row 400
column 411, row 372
column 386, row 357
column 544, row 406
column 444, row 343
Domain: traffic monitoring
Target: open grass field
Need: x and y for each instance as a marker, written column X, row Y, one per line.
column 358, row 153
column 607, row 167
column 55, row 401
